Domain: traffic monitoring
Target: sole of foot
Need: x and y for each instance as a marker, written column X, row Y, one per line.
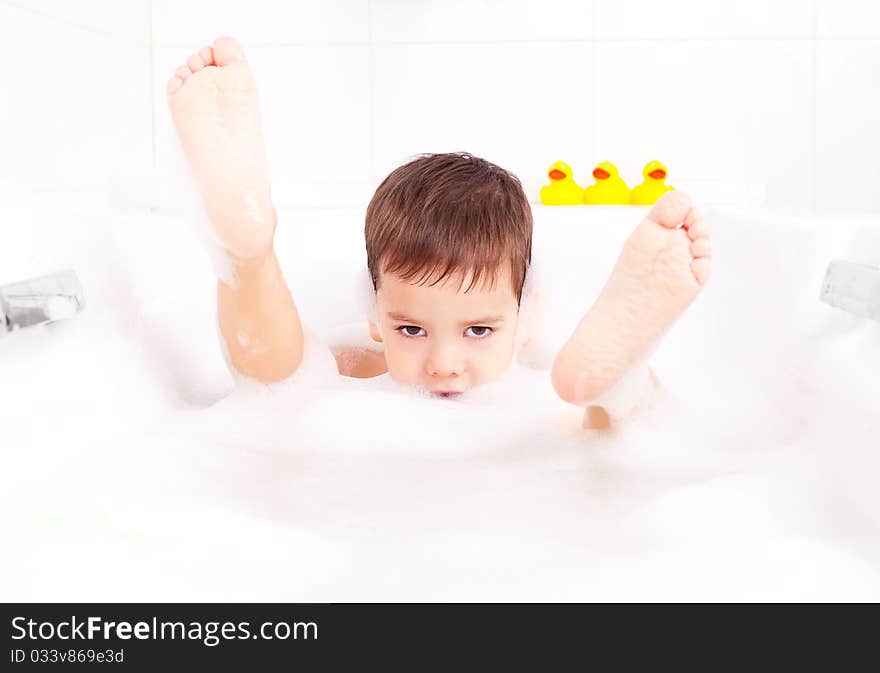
column 216, row 112
column 663, row 266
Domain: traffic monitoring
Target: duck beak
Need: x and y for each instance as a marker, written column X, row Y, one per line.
column 556, row 174
column 601, row 174
column 658, row 174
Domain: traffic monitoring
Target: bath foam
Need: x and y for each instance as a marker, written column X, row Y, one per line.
column 329, row 413
column 379, row 416
column 762, row 486
column 427, row 512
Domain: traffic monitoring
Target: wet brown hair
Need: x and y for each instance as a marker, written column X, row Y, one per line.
column 442, row 214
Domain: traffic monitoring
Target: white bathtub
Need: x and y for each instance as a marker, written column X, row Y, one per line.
column 129, row 472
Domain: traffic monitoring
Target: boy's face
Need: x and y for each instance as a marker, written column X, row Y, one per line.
column 442, row 338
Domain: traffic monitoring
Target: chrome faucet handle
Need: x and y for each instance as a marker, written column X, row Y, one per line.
column 852, row 287
column 40, row 300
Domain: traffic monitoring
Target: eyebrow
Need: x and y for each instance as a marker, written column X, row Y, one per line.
column 486, row 320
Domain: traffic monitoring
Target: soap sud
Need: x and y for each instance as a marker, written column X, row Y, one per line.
column 162, row 476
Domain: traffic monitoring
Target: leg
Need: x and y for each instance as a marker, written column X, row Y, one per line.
column 215, row 108
column 599, row 417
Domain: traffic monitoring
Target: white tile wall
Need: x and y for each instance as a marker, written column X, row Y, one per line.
column 723, row 111
column 847, row 19
column 74, row 107
column 261, row 22
column 522, row 106
column 127, row 20
column 702, row 19
column 776, row 92
column 480, row 20
column 316, row 113
column 848, row 131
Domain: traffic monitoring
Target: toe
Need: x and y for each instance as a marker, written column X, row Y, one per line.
column 695, row 226
column 698, row 229
column 183, row 72
column 700, row 268
column 701, row 248
column 227, row 50
column 671, row 209
column 174, row 84
column 207, row 55
column 195, row 62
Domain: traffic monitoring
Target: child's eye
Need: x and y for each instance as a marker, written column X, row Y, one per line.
column 410, row 330
column 479, row 332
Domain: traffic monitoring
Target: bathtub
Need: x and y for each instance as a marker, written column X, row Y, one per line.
column 135, row 469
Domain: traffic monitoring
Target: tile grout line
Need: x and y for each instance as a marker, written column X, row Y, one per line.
column 580, row 41
column 152, row 84
column 57, row 19
column 814, row 130
column 594, row 131
column 371, row 75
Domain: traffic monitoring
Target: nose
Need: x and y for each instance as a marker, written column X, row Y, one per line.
column 444, row 361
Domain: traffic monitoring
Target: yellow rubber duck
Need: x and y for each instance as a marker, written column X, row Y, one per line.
column 609, row 187
column 653, row 187
column 562, row 190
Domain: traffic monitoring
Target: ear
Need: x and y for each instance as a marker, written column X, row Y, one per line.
column 374, row 332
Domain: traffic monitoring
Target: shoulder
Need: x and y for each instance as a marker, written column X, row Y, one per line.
column 359, row 362
column 355, row 352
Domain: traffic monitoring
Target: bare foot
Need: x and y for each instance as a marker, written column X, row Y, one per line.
column 663, row 266
column 216, row 110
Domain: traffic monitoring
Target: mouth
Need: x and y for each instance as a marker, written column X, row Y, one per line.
column 658, row 174
column 447, row 393
column 601, row 174
column 556, row 174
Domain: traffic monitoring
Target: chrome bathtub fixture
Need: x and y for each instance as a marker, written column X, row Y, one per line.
column 40, row 300
column 853, row 287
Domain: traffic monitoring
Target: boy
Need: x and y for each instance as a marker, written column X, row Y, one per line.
column 448, row 247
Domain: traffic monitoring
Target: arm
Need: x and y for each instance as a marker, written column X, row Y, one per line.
column 259, row 321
